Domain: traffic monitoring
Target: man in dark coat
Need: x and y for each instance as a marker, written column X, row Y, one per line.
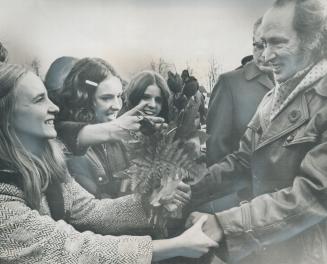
column 233, row 102
column 284, row 149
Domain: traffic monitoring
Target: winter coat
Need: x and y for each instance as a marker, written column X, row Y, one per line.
column 94, row 167
column 95, row 170
column 286, row 220
column 31, row 236
column 232, row 104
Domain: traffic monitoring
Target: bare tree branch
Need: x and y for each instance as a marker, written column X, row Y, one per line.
column 215, row 69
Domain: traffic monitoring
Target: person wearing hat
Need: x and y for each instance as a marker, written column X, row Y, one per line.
column 56, row 74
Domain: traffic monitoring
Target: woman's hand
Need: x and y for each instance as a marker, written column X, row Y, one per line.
column 130, row 121
column 211, row 227
column 193, row 243
column 174, row 194
column 118, row 129
column 182, row 195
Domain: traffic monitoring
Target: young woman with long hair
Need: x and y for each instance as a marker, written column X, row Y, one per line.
column 91, row 95
column 42, row 207
column 150, row 89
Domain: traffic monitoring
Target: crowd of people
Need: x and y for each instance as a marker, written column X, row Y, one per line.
column 261, row 199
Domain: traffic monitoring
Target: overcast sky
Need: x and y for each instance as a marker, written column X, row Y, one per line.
column 131, row 33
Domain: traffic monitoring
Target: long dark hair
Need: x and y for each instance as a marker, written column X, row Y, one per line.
column 77, row 95
column 134, row 92
column 36, row 172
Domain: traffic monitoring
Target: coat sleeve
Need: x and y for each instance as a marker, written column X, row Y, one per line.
column 230, row 175
column 278, row 216
column 107, row 216
column 80, row 168
column 68, row 132
column 220, row 122
column 28, row 237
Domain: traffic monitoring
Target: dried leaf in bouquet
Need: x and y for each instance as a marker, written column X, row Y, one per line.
column 162, row 162
column 162, row 159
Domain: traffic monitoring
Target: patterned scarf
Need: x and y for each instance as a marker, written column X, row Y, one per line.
column 285, row 92
column 294, row 86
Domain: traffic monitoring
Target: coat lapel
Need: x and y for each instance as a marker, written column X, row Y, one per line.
column 265, row 81
column 292, row 117
column 251, row 71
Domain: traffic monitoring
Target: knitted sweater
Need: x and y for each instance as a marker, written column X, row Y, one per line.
column 30, row 236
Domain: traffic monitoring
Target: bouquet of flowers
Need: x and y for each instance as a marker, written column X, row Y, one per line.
column 162, row 159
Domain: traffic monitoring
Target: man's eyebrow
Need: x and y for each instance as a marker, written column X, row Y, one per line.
column 38, row 96
column 278, row 38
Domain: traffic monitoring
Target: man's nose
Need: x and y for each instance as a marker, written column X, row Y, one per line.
column 268, row 54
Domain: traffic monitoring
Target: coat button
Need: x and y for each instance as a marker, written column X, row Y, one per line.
column 244, row 202
column 294, row 115
column 290, row 138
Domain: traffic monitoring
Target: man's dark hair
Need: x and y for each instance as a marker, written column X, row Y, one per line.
column 3, row 53
column 246, row 59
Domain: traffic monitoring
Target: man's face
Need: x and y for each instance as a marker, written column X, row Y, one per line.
column 282, row 44
column 258, row 48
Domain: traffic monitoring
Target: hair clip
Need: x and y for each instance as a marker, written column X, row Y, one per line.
column 91, row 83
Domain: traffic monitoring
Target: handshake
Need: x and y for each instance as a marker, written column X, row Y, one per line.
column 210, row 227
column 203, row 231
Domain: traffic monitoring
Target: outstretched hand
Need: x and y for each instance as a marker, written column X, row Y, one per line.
column 175, row 192
column 193, row 242
column 211, row 227
column 132, row 119
column 182, row 195
column 136, row 115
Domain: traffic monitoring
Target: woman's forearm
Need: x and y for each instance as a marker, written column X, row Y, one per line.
column 97, row 134
column 166, row 248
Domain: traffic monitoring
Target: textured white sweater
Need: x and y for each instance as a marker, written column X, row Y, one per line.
column 30, row 236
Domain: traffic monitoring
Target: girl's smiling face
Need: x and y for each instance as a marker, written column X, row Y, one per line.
column 107, row 100
column 153, row 98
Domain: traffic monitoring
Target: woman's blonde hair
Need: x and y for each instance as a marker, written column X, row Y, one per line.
column 36, row 172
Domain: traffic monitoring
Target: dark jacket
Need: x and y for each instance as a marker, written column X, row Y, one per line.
column 286, row 221
column 95, row 170
column 232, row 104
column 94, row 167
